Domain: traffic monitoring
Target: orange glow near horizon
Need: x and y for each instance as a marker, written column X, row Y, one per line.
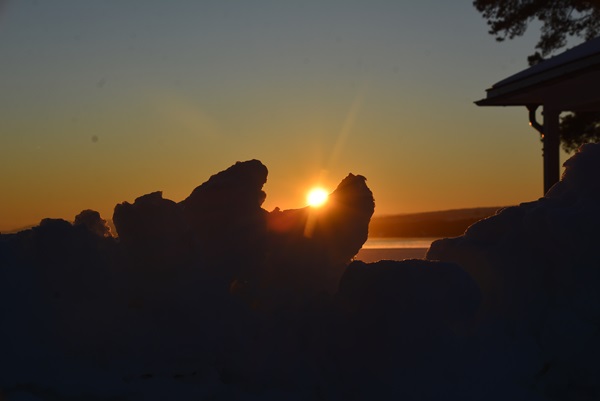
column 317, row 197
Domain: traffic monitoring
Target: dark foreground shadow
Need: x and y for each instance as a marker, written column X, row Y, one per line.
column 216, row 298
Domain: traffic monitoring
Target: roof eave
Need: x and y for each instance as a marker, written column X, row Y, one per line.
column 510, row 93
column 559, row 72
column 503, row 102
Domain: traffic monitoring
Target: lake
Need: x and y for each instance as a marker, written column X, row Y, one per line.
column 394, row 248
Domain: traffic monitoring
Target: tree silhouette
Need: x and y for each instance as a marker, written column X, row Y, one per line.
column 560, row 20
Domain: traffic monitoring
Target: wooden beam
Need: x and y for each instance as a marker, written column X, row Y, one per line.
column 551, row 143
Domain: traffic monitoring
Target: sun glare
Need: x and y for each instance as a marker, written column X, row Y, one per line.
column 317, row 197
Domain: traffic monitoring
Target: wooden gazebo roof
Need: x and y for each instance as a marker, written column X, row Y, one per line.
column 569, row 81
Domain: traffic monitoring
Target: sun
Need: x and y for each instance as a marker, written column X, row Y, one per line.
column 316, row 197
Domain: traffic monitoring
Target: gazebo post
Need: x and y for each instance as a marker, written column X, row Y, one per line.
column 551, row 147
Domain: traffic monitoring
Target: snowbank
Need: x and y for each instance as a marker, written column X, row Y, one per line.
column 538, row 267
column 217, row 298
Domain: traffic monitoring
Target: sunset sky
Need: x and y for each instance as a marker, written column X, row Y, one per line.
column 104, row 101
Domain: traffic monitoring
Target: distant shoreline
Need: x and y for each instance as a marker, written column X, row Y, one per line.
column 446, row 223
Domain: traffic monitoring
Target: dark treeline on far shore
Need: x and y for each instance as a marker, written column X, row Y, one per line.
column 447, row 223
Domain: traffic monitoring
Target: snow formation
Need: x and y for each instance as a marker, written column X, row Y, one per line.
column 216, row 298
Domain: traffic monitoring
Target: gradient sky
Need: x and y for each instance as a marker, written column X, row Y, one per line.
column 104, row 101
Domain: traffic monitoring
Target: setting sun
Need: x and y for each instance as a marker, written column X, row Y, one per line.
column 317, row 197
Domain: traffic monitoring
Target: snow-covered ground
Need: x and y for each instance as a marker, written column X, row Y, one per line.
column 216, row 298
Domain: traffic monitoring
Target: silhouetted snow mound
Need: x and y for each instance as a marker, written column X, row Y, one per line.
column 216, row 298
column 211, row 294
column 93, row 222
column 538, row 267
column 309, row 248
